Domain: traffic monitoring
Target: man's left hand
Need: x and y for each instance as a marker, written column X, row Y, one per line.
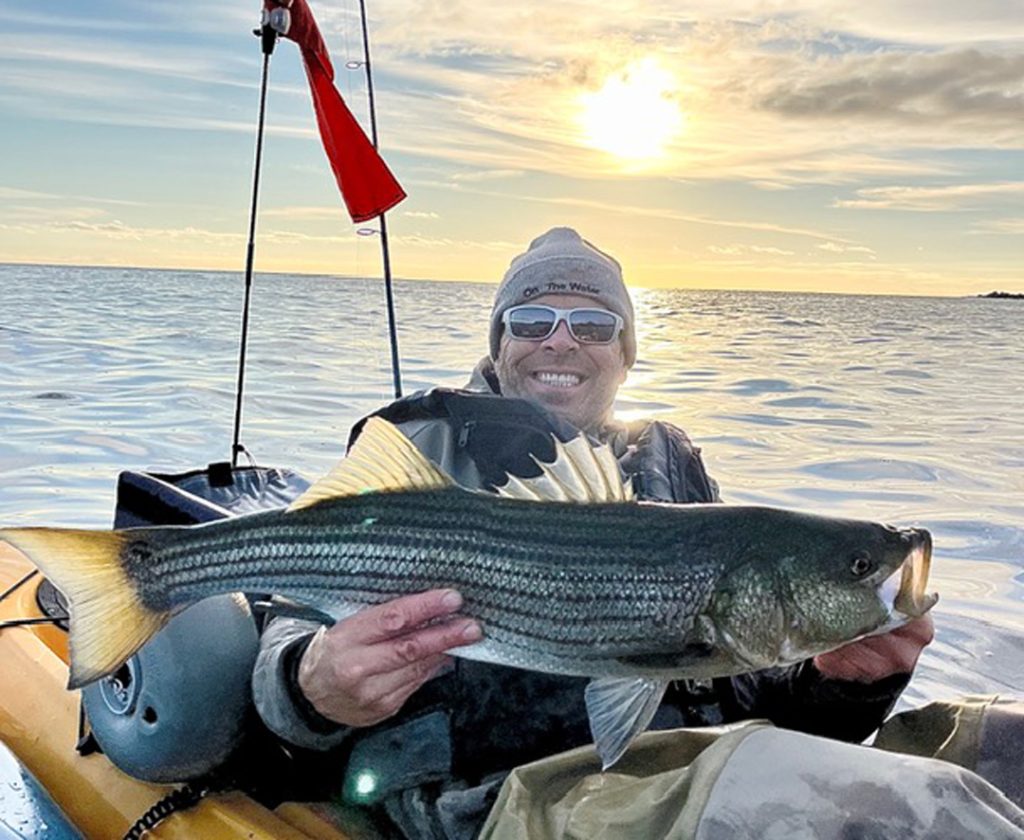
column 876, row 657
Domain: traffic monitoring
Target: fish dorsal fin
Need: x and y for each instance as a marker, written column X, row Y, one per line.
column 382, row 460
column 581, row 472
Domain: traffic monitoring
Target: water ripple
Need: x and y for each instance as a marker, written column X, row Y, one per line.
column 906, row 412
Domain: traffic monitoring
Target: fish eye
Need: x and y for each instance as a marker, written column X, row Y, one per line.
column 861, row 564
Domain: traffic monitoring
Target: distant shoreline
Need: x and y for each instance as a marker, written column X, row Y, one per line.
column 1004, row 295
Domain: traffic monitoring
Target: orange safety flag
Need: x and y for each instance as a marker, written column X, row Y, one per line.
column 365, row 181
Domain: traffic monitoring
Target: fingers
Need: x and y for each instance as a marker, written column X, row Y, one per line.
column 363, row 669
column 354, row 663
column 920, row 631
column 378, row 697
column 388, row 620
column 857, row 662
column 903, row 646
column 877, row 657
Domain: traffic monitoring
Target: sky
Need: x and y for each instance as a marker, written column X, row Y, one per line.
column 853, row 146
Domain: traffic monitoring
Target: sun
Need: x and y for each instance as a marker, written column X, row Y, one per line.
column 635, row 115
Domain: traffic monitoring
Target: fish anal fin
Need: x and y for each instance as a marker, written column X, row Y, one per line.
column 108, row 621
column 382, row 460
column 620, row 708
column 582, row 472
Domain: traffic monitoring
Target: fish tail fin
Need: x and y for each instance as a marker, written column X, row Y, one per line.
column 109, row 622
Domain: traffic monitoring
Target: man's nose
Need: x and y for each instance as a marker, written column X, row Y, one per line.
column 561, row 339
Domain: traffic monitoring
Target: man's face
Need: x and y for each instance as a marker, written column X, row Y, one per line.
column 575, row 381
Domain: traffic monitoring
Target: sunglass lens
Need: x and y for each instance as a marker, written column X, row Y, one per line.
column 530, row 322
column 593, row 326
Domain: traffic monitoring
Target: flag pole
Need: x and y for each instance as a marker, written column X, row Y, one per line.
column 389, row 296
column 268, row 38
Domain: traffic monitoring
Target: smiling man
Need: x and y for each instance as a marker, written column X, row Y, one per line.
column 425, row 741
column 562, row 329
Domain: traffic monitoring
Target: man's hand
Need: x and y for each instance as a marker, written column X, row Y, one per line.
column 361, row 670
column 876, row 657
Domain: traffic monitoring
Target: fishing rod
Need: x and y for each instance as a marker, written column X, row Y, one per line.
column 272, row 25
column 385, row 250
column 276, row 22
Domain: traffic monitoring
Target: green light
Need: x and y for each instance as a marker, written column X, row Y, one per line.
column 366, row 783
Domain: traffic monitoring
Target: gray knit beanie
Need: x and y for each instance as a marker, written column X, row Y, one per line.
column 562, row 262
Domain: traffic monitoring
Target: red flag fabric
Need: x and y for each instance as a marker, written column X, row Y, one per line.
column 364, row 180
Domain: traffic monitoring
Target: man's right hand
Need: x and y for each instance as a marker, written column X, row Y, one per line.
column 363, row 669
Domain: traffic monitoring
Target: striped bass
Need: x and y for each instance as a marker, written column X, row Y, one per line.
column 566, row 573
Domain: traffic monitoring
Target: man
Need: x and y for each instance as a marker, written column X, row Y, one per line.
column 380, row 686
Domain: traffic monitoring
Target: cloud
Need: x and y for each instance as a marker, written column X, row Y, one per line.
column 736, row 250
column 836, row 248
column 665, row 214
column 115, row 229
column 816, row 108
column 460, row 26
column 19, row 194
column 934, row 199
column 487, row 175
column 493, row 91
column 726, row 250
column 193, row 16
column 327, row 213
column 420, row 214
column 926, row 22
column 1013, row 227
column 14, row 193
column 850, row 276
column 116, row 105
column 847, row 167
column 913, row 89
column 416, row 240
column 47, row 212
column 192, row 63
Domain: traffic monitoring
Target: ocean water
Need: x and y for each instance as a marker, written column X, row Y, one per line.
column 905, row 410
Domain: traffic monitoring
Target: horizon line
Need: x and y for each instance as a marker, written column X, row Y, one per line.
column 241, row 271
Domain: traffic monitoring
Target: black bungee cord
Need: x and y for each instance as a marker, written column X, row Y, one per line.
column 26, row 622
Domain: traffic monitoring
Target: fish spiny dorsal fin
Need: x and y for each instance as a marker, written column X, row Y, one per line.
column 582, row 472
column 382, row 460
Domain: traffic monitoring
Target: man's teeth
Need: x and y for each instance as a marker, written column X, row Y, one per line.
column 559, row 380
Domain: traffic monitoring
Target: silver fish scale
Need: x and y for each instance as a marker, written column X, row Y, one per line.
column 582, row 584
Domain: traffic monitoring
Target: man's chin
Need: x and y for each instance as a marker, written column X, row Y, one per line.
column 565, row 403
column 558, row 400
column 564, row 408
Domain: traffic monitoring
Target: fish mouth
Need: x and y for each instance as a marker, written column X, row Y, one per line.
column 912, row 598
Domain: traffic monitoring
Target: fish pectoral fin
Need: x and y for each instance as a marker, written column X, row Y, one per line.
column 382, row 460
column 581, row 472
column 620, row 708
